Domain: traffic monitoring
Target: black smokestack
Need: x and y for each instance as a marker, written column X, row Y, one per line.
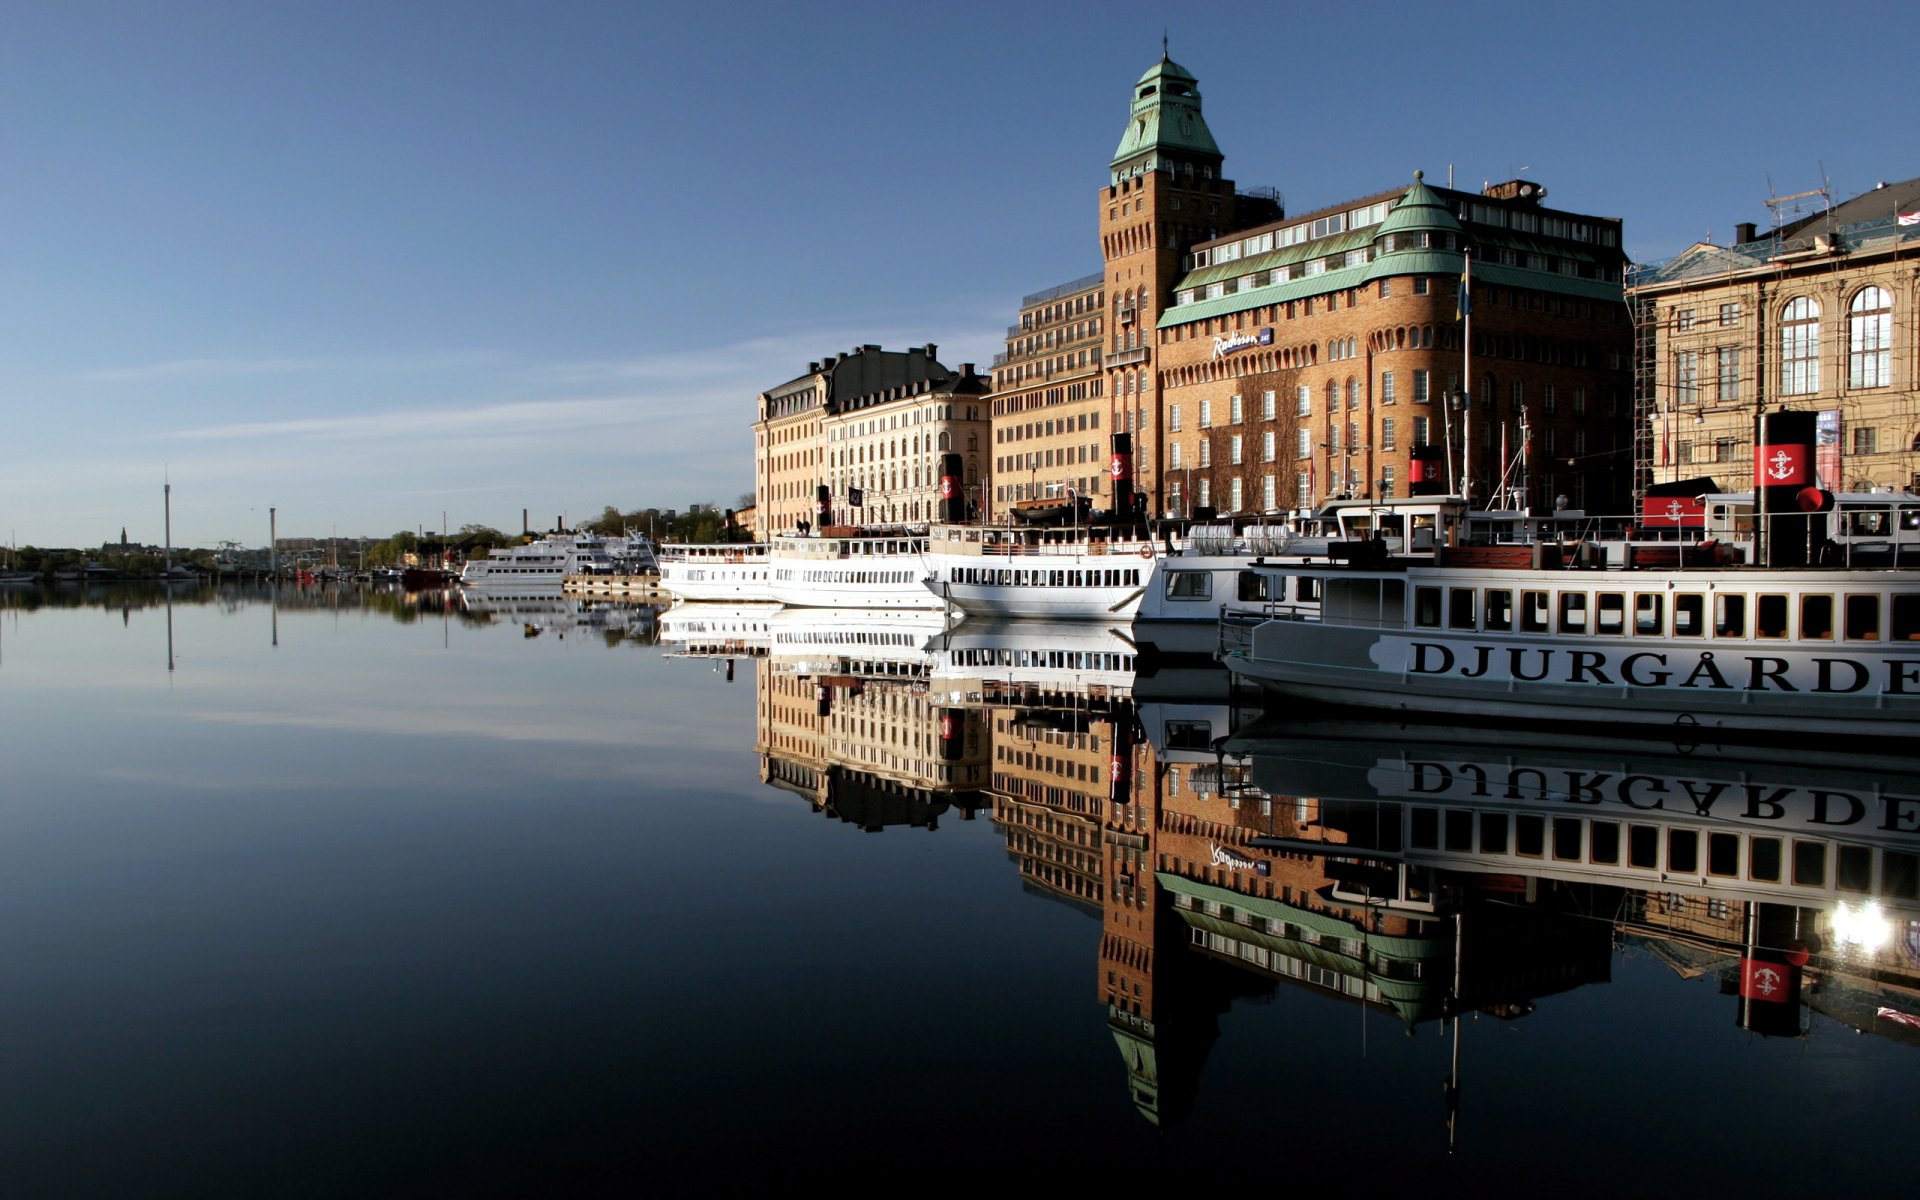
column 1122, row 468
column 1783, row 465
column 953, row 493
column 822, row 507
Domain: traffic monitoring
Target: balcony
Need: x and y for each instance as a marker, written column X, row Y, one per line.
column 1126, row 358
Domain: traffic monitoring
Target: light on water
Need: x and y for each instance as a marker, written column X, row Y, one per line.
column 336, row 892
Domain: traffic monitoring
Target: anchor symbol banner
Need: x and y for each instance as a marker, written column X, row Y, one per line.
column 1782, row 466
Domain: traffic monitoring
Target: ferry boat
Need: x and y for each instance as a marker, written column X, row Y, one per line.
column 1089, row 573
column 710, row 572
column 710, row 630
column 849, row 566
column 1594, row 632
column 854, row 643
column 547, row 561
column 997, row 661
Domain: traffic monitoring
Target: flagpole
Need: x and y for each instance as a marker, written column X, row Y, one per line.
column 1466, row 379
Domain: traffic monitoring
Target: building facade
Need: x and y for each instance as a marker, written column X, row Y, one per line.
column 1818, row 315
column 1049, row 407
column 869, row 426
column 1317, row 357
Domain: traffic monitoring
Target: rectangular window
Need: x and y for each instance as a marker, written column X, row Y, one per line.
column 1266, row 406
column 1206, row 453
column 1866, row 439
column 1267, row 492
column 1306, row 444
column 1233, row 410
column 1420, row 283
column 1173, row 419
column 1386, row 483
column 1234, row 451
column 1173, row 456
column 1420, row 395
column 1683, row 318
column 1303, row 400
column 1386, row 433
column 1726, row 373
column 1386, row 387
column 1206, row 414
column 1233, row 493
column 1421, row 426
column 1686, row 377
column 1729, row 314
column 1267, row 440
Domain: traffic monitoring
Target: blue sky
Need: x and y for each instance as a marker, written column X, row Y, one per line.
column 372, row 263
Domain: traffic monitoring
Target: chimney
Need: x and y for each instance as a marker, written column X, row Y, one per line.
column 933, row 352
column 813, row 368
column 1743, row 233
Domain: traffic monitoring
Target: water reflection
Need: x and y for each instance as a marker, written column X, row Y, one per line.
column 1423, row 876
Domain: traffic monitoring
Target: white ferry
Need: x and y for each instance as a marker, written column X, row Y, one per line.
column 1590, row 633
column 547, row 561
column 997, row 660
column 846, row 566
column 1087, row 573
column 854, row 643
column 723, row 572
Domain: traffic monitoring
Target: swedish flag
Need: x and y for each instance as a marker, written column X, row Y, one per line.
column 1462, row 299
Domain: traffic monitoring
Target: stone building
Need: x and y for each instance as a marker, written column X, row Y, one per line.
column 1049, row 397
column 1816, row 315
column 869, row 426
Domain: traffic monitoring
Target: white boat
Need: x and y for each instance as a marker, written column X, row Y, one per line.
column 715, row 572
column 1592, row 634
column 1082, row 573
column 855, row 643
column 845, row 566
column 544, row 562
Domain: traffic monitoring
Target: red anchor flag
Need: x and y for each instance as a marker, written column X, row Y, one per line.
column 1782, row 465
column 1672, row 512
column 1766, row 981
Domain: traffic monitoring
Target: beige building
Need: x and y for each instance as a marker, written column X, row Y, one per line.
column 1817, row 315
column 870, row 427
column 1049, row 398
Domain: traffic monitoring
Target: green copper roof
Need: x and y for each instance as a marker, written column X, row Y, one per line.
column 1166, row 117
column 1418, row 210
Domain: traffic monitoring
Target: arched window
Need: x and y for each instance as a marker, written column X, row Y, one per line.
column 1333, row 396
column 1353, row 392
column 1870, row 338
column 943, row 440
column 1800, row 347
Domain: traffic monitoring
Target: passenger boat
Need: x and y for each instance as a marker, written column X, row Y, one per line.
column 854, row 643
column 716, row 572
column 995, row 660
column 1590, row 633
column 849, row 566
column 1088, row 573
column 547, row 561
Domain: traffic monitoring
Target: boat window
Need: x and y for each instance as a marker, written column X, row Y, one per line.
column 1426, row 607
column 1689, row 614
column 1499, row 608
column 1863, row 617
column 1816, row 617
column 1191, row 585
column 1723, row 854
column 1763, row 859
column 1610, row 613
column 1869, row 522
column 1307, row 588
column 1910, row 516
column 1573, row 612
column 1643, row 847
column 1423, row 831
column 1493, row 833
column 1533, row 612
column 1810, row 864
column 1683, row 851
column 1905, row 623
column 1646, row 613
column 1253, row 586
column 1459, row 830
column 1568, row 834
column 1853, row 868
column 1529, row 836
column 1604, row 837
column 1460, row 607
column 1900, row 875
column 1770, row 616
column 1729, row 616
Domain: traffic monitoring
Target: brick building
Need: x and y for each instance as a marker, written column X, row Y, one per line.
column 1305, row 359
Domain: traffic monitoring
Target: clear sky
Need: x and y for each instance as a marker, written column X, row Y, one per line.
column 373, row 263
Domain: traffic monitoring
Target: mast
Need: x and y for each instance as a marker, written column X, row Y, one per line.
column 1466, row 378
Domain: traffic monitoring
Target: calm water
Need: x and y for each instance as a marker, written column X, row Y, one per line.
column 361, row 897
